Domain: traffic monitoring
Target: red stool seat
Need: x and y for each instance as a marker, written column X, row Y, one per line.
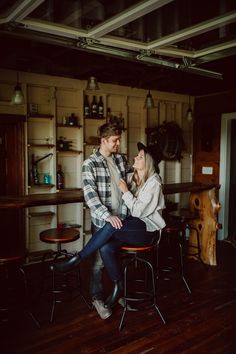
column 134, row 249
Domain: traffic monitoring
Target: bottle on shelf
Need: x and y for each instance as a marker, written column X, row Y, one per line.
column 94, row 107
column 60, row 178
column 86, row 107
column 100, row 108
column 34, row 176
column 73, row 120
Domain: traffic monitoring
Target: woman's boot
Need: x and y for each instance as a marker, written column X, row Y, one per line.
column 67, row 265
column 113, row 297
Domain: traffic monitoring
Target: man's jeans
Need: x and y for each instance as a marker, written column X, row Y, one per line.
column 96, row 286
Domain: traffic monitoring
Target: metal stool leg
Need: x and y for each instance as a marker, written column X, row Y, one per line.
column 198, row 247
column 125, row 300
column 149, row 295
column 21, row 270
column 182, row 268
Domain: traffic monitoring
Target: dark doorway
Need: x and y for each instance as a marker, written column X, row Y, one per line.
column 232, row 185
column 11, row 180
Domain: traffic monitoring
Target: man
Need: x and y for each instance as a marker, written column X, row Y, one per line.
column 101, row 173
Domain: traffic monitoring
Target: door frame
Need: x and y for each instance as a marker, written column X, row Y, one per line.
column 224, row 178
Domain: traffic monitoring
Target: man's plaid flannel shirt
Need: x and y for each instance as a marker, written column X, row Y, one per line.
column 97, row 186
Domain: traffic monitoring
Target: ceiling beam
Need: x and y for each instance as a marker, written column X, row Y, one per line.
column 195, row 30
column 22, row 10
column 132, row 13
column 51, row 28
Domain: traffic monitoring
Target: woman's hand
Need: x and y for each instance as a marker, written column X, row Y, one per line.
column 123, row 186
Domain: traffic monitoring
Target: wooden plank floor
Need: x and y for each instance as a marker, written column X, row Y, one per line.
column 204, row 322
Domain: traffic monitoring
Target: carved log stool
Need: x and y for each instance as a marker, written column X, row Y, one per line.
column 207, row 207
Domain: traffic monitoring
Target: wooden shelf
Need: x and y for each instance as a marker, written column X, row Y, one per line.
column 69, row 152
column 88, row 144
column 69, row 126
column 41, row 213
column 37, row 115
column 68, row 226
column 42, row 185
column 49, row 146
column 91, row 118
column 68, row 190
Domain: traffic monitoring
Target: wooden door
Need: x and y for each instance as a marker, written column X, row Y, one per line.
column 12, row 235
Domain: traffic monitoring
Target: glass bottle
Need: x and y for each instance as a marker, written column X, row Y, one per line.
column 94, row 107
column 35, row 175
column 73, row 120
column 60, row 178
column 100, row 108
column 86, row 107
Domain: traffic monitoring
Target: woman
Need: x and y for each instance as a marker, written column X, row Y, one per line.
column 145, row 200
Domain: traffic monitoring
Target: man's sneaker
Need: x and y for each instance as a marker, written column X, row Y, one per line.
column 102, row 311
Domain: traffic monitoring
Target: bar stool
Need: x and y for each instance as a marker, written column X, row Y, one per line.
column 175, row 232
column 145, row 294
column 61, row 282
column 185, row 217
column 14, row 287
column 58, row 236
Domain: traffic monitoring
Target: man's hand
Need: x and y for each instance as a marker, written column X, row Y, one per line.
column 123, row 186
column 115, row 221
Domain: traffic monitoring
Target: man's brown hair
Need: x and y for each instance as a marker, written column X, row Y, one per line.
column 109, row 129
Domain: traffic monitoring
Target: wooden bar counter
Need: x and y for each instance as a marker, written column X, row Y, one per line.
column 76, row 196
column 202, row 199
column 27, row 201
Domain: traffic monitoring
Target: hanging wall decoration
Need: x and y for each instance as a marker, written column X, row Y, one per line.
column 168, row 139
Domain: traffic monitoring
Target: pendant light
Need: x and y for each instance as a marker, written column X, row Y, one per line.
column 149, row 103
column 17, row 97
column 92, row 84
column 189, row 114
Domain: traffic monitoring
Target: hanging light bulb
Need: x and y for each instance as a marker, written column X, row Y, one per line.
column 189, row 112
column 17, row 97
column 92, row 84
column 149, row 103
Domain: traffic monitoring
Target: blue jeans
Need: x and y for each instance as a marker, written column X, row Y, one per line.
column 108, row 240
column 95, row 282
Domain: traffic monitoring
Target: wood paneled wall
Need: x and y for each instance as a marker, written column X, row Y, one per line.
column 207, row 129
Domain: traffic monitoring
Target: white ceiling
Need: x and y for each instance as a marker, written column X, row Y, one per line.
column 185, row 36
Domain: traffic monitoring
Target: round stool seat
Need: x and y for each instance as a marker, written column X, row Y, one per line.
column 11, row 259
column 173, row 228
column 135, row 249
column 184, row 215
column 59, row 235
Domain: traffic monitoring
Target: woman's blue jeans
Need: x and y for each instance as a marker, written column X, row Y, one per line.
column 108, row 239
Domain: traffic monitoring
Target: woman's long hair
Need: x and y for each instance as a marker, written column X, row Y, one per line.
column 136, row 184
